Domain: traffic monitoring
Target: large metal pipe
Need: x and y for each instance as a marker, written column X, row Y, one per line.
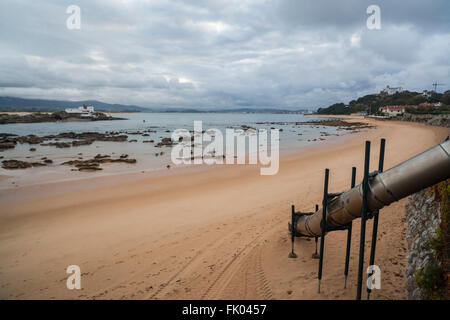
column 411, row 176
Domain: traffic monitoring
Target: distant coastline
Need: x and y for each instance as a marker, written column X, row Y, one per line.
column 14, row 104
column 58, row 116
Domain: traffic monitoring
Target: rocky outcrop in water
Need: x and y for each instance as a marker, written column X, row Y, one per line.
column 165, row 142
column 9, row 141
column 94, row 164
column 53, row 117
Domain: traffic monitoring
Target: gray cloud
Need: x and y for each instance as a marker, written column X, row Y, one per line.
column 224, row 54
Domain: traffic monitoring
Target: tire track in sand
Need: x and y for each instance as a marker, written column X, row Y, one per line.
column 243, row 277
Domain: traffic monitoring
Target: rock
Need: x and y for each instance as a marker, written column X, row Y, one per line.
column 89, row 168
column 7, row 145
column 77, row 143
column 32, row 149
column 30, row 139
column 17, row 164
column 165, row 142
column 99, row 156
column 57, row 144
column 94, row 164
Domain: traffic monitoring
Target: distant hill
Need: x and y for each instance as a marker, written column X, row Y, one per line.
column 231, row 110
column 12, row 104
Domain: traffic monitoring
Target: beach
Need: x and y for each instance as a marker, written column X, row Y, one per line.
column 209, row 233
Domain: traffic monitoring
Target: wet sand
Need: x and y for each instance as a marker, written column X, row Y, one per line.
column 217, row 233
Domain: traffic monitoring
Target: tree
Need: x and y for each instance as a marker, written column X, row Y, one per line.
column 360, row 107
column 445, row 99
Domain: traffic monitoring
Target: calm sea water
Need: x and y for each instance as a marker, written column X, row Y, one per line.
column 291, row 138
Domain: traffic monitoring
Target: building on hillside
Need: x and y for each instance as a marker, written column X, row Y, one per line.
column 427, row 93
column 428, row 104
column 393, row 110
column 83, row 111
column 390, row 91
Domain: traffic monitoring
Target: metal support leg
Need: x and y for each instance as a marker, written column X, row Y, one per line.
column 363, row 220
column 292, row 253
column 349, row 235
column 323, row 224
column 315, row 254
column 376, row 214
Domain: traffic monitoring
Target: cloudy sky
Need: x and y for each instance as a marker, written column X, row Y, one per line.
column 289, row 54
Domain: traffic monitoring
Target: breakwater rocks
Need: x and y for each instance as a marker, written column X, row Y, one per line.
column 423, row 215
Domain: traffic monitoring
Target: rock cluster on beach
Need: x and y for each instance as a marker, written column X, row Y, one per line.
column 17, row 164
column 94, row 164
column 341, row 124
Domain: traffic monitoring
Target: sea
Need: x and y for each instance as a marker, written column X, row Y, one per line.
column 292, row 138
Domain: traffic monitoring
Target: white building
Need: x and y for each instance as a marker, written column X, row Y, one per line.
column 84, row 111
column 393, row 110
column 390, row 91
column 427, row 94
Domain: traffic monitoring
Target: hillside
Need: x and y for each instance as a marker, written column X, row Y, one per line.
column 372, row 102
column 11, row 104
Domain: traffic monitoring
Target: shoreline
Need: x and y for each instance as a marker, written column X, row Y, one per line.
column 102, row 178
column 217, row 233
column 59, row 176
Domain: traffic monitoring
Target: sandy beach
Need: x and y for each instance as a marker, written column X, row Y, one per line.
column 219, row 233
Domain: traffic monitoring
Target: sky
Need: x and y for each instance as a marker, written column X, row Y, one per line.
column 221, row 54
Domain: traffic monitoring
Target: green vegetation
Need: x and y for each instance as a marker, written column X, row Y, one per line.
column 432, row 281
column 432, row 278
column 372, row 102
column 337, row 108
column 443, row 109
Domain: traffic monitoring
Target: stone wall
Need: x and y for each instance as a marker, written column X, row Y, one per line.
column 441, row 120
column 423, row 216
